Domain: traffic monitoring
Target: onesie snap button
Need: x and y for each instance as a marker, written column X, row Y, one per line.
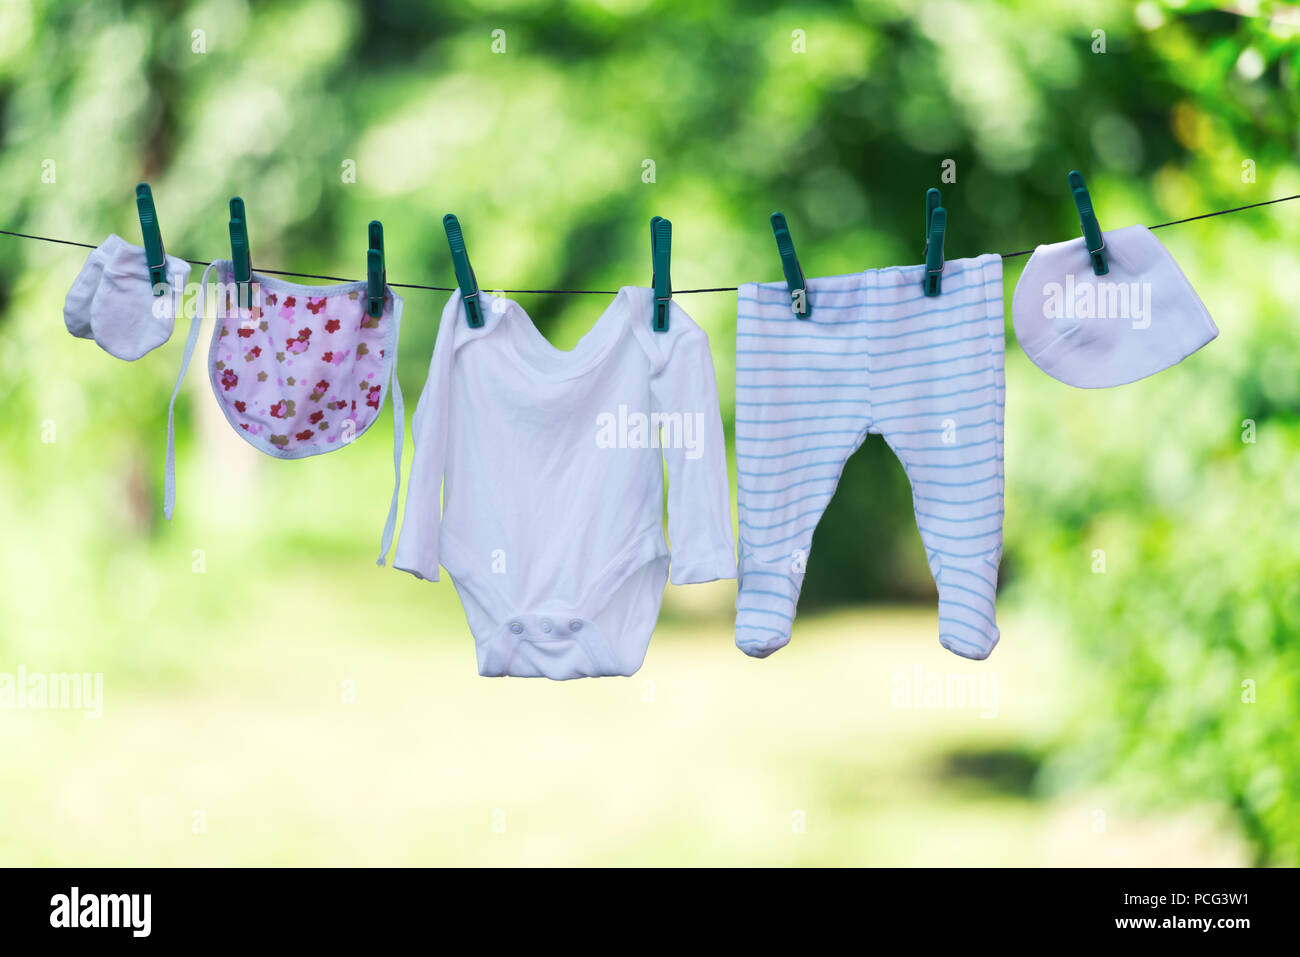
column 517, row 627
column 546, row 625
column 575, row 625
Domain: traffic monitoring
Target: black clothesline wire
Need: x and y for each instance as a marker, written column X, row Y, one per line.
column 601, row 292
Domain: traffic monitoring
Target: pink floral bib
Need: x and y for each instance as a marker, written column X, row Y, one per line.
column 304, row 371
column 307, row 371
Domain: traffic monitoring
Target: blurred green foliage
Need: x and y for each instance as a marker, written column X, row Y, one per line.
column 542, row 150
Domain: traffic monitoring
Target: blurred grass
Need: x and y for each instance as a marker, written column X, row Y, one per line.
column 705, row 757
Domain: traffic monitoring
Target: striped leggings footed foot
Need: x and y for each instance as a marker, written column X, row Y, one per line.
column 875, row 356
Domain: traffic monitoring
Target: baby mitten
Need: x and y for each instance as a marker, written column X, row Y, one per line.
column 113, row 302
column 76, row 307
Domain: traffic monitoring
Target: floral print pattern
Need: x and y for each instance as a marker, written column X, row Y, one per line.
column 303, row 373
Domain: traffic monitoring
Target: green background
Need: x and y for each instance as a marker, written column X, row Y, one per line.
column 271, row 697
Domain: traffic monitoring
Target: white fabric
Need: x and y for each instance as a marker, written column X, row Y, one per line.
column 1096, row 331
column 169, row 463
column 112, row 300
column 552, row 522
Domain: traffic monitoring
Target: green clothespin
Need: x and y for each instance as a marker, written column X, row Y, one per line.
column 464, row 272
column 239, row 253
column 1091, row 230
column 661, row 241
column 932, row 203
column 936, row 223
column 154, row 254
column 794, row 280
column 376, row 270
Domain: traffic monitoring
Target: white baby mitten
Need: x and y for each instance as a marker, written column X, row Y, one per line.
column 122, row 313
column 76, row 307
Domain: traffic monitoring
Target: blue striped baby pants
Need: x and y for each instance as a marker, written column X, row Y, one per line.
column 875, row 356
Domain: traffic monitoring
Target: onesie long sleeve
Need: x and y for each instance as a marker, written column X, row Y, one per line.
column 417, row 549
column 685, row 395
column 551, row 467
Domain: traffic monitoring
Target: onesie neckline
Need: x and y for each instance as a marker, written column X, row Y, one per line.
column 535, row 353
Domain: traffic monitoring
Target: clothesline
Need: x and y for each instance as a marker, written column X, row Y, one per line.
column 603, row 292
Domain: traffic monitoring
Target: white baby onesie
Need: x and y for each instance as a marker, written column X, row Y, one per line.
column 551, row 524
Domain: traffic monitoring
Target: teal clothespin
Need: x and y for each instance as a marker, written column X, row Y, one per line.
column 661, row 241
column 1088, row 219
column 239, row 253
column 376, row 270
column 794, row 280
column 932, row 203
column 936, row 223
column 154, row 254
column 464, row 272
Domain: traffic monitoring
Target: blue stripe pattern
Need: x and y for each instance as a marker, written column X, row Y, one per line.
column 876, row 357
